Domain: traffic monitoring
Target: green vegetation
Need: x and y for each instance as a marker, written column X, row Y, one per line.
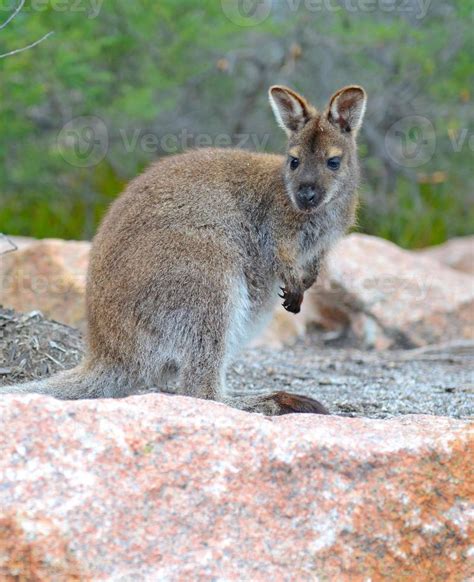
column 155, row 77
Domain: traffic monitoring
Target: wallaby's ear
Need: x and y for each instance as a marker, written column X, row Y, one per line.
column 291, row 110
column 347, row 107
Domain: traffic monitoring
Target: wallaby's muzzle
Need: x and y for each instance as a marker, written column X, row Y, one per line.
column 309, row 197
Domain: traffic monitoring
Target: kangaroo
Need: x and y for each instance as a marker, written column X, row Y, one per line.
column 188, row 262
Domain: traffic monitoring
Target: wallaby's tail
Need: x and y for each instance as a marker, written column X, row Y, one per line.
column 80, row 382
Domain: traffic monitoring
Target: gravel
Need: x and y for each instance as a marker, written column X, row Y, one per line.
column 437, row 380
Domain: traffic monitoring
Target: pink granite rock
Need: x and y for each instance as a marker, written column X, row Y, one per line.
column 49, row 276
column 457, row 253
column 386, row 295
column 394, row 296
column 169, row 488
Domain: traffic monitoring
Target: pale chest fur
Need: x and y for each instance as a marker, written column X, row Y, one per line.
column 321, row 232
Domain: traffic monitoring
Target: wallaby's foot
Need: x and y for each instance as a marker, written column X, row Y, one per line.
column 292, row 300
column 279, row 403
column 289, row 403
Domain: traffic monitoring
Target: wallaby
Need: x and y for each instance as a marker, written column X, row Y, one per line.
column 187, row 264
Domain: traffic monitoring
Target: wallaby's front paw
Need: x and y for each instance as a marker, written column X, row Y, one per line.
column 289, row 403
column 292, row 300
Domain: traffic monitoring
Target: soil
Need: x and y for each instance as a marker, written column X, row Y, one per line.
column 350, row 381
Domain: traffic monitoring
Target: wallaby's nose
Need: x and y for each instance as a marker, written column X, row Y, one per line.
column 307, row 193
column 309, row 196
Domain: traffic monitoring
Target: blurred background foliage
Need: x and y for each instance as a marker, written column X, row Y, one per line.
column 161, row 76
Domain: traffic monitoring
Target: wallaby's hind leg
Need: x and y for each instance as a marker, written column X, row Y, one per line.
column 202, row 369
column 211, row 344
column 203, row 376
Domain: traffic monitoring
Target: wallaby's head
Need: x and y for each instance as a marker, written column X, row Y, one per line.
column 322, row 159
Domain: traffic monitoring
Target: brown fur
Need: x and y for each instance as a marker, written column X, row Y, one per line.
column 186, row 265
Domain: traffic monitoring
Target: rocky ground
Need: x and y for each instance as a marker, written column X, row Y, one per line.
column 434, row 380
column 159, row 487
column 32, row 347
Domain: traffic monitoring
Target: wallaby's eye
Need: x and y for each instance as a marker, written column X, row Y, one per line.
column 294, row 163
column 334, row 163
